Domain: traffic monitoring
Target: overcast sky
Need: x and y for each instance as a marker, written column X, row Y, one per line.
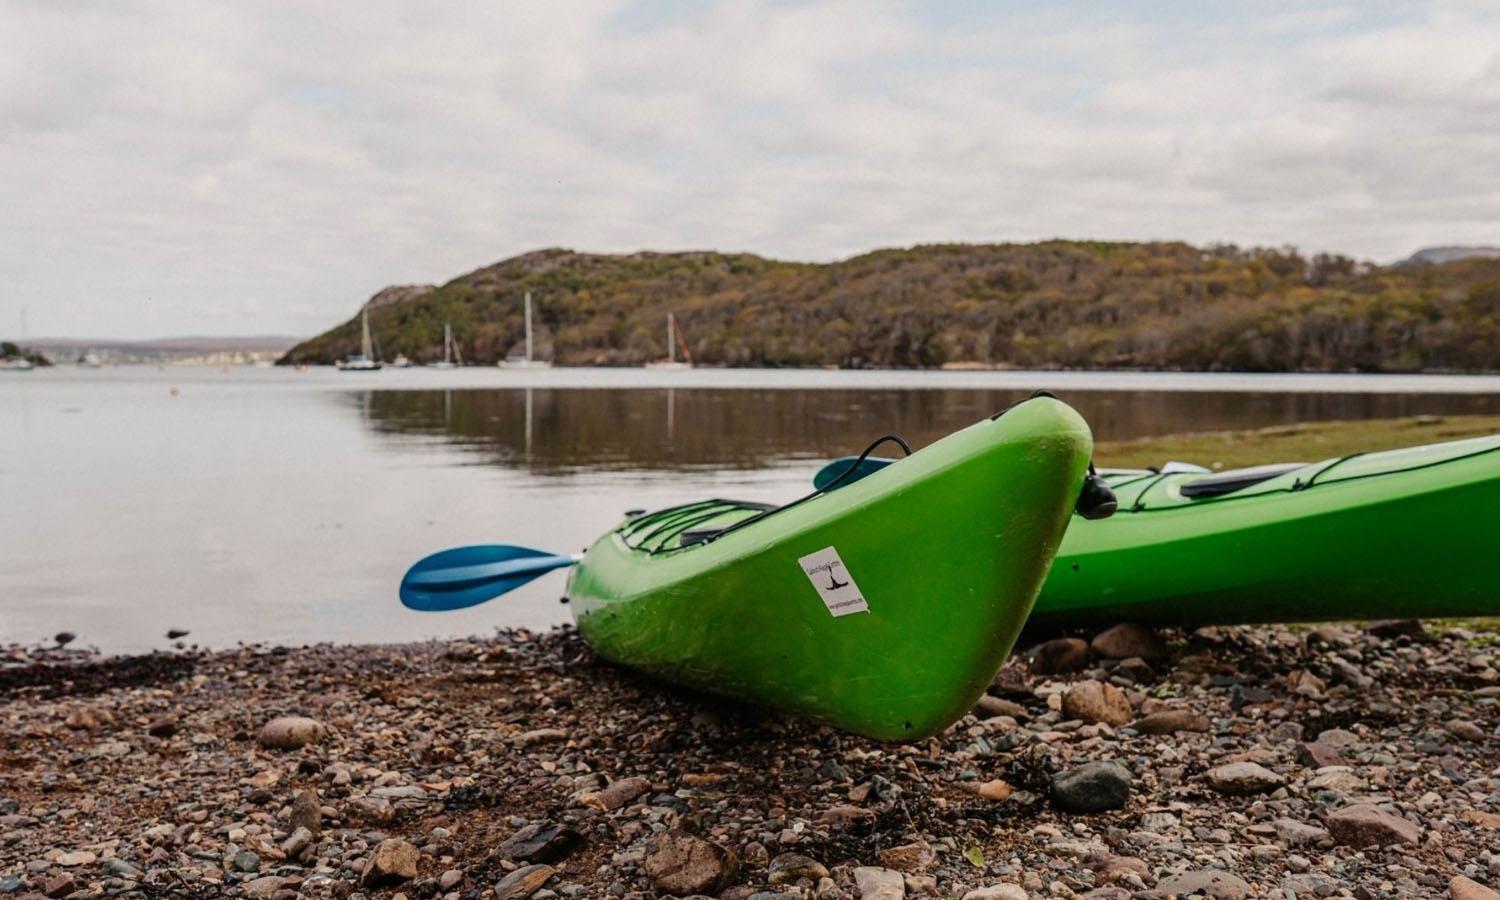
column 255, row 166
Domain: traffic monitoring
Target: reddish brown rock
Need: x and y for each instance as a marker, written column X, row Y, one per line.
column 1298, row 834
column 1461, row 888
column 541, row 736
column 1305, row 684
column 1011, row 680
column 1060, row 656
column 1110, row 869
column 846, row 816
column 681, row 864
column 372, row 810
column 1213, row 883
column 1129, row 639
column 617, row 794
column 1364, row 825
column 913, row 857
column 995, row 790
column 523, row 882
column 307, row 812
column 393, row 862
column 59, row 884
column 790, row 868
column 291, row 732
column 1095, row 701
column 989, row 706
column 1316, row 755
column 1169, row 721
column 1466, row 730
column 1243, row 779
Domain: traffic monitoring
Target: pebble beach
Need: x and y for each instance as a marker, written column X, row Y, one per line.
column 1332, row 761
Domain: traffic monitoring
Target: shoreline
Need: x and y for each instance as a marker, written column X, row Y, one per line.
column 626, row 378
column 444, row 769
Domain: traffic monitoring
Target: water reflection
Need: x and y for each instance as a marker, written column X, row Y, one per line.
column 252, row 504
column 562, row 430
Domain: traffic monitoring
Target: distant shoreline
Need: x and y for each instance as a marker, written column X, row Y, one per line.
column 624, row 378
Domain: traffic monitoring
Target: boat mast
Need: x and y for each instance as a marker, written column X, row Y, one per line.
column 364, row 338
column 528, row 326
column 675, row 338
column 447, row 343
column 671, row 339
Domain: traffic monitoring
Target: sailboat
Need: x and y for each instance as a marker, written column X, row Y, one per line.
column 674, row 340
column 528, row 361
column 451, row 357
column 364, row 360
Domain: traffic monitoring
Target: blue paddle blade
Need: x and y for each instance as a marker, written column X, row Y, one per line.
column 468, row 576
column 830, row 473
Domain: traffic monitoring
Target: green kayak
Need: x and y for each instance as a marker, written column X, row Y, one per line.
column 1395, row 534
column 884, row 608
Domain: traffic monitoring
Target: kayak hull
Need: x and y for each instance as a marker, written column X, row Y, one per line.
column 1401, row 534
column 946, row 551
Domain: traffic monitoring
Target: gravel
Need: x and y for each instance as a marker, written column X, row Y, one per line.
column 1267, row 761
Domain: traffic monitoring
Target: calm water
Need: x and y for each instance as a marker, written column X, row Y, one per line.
column 275, row 505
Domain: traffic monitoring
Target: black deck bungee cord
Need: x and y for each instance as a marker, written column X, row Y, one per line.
column 1311, row 479
column 666, row 523
column 854, row 466
column 1139, row 504
column 894, row 438
column 658, row 528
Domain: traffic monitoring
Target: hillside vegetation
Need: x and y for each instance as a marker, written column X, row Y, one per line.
column 1053, row 304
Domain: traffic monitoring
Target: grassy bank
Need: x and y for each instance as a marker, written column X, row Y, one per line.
column 1309, row 442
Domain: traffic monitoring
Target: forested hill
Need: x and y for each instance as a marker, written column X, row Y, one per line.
column 1051, row 304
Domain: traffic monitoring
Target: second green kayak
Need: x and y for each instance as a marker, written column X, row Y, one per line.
column 884, row 607
column 1395, row 534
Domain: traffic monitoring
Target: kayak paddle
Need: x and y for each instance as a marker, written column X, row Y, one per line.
column 468, row 576
column 863, row 466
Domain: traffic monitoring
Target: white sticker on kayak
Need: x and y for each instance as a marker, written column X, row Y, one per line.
column 834, row 583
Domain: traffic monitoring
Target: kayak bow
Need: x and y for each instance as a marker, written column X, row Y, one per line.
column 884, row 607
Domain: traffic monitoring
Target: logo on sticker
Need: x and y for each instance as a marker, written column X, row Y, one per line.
column 828, row 574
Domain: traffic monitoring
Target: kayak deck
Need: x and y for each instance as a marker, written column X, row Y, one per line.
column 1392, row 534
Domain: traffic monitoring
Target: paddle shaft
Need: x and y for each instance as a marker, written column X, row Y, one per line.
column 470, row 575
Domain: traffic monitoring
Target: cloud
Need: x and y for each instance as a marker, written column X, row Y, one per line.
column 260, row 166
